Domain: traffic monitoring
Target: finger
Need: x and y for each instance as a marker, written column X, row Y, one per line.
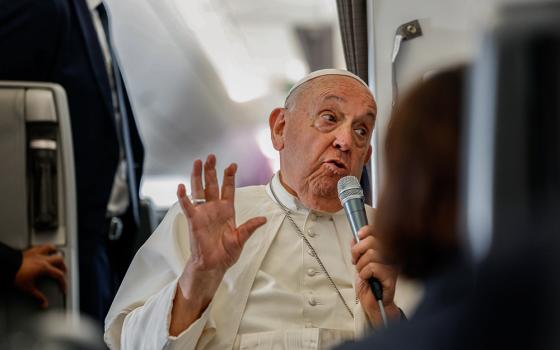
column 43, row 301
column 365, row 231
column 197, row 191
column 379, row 271
column 186, row 205
column 58, row 275
column 211, row 188
column 228, row 184
column 45, row 249
column 57, row 261
column 370, row 256
column 368, row 272
column 361, row 247
column 366, row 297
column 250, row 226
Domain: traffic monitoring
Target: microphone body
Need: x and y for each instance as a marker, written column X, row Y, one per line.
column 356, row 213
column 352, row 198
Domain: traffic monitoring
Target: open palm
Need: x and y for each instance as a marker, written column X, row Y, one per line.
column 215, row 240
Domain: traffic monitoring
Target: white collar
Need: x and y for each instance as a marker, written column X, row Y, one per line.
column 92, row 4
column 285, row 198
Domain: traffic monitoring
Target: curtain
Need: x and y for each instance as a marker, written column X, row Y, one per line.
column 352, row 16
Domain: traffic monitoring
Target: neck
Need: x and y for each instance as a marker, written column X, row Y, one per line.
column 329, row 205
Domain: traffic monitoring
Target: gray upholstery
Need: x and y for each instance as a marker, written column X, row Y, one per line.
column 26, row 111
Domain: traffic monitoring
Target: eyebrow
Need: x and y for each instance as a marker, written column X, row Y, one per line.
column 342, row 99
column 373, row 115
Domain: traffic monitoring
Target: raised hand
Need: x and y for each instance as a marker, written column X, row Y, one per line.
column 369, row 263
column 216, row 241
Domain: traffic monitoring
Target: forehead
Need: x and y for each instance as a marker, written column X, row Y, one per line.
column 339, row 90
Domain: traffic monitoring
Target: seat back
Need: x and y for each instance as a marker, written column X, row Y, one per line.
column 38, row 196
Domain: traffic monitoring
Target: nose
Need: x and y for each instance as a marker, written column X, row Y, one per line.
column 343, row 139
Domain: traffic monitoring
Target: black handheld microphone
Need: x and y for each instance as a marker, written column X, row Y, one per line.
column 351, row 197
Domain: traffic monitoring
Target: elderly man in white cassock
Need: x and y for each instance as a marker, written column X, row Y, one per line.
column 265, row 267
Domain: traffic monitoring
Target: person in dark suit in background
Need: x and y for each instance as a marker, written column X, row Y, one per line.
column 67, row 42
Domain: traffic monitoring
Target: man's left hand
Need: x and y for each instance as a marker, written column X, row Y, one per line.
column 40, row 261
column 370, row 263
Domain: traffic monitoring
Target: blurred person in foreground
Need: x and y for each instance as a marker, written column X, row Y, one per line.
column 289, row 275
column 417, row 211
column 507, row 300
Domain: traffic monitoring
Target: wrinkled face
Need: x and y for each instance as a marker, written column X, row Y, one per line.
column 324, row 134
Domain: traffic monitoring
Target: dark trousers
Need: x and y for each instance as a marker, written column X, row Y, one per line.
column 122, row 250
column 96, row 290
column 103, row 264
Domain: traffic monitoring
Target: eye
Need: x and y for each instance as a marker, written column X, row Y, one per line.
column 329, row 117
column 361, row 131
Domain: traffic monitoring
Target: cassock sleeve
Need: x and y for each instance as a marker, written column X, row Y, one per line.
column 10, row 262
column 141, row 312
column 154, row 318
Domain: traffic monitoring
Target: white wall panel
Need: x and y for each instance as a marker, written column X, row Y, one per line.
column 451, row 30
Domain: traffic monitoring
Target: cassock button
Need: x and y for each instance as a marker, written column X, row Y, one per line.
column 311, row 272
column 312, row 301
column 311, row 233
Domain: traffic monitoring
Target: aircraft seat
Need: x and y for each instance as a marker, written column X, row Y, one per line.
column 38, row 197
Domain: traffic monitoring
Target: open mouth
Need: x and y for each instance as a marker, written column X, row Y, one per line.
column 337, row 164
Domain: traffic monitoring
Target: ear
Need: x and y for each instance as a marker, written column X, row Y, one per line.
column 277, row 123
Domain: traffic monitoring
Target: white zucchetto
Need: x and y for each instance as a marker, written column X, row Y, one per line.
column 323, row 72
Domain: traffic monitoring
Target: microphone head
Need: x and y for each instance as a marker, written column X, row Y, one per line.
column 349, row 188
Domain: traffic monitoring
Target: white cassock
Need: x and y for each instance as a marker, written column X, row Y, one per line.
column 275, row 297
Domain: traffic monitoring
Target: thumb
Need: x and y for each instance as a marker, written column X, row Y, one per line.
column 36, row 293
column 246, row 230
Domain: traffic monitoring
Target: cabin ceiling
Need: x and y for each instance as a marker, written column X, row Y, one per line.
column 203, row 76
